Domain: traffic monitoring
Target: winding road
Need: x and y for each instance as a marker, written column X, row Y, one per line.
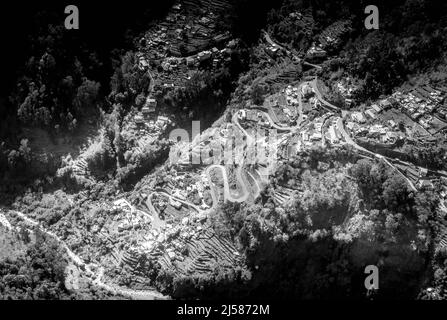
column 227, row 192
column 244, row 187
column 320, row 96
column 239, row 172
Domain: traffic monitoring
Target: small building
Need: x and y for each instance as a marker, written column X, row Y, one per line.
column 307, row 91
column 370, row 113
column 350, row 125
column 166, row 66
column 163, row 119
column 423, row 172
column 171, row 255
column 149, row 106
column 349, row 102
column 190, row 61
column 147, row 111
column 205, row 20
column 204, row 55
column 272, row 50
column 316, row 136
column 358, row 116
column 232, row 44
column 385, row 104
column 305, row 136
column 316, row 52
column 333, row 135
column 392, row 123
column 139, row 119
column 176, row 204
column 376, row 108
column 143, row 64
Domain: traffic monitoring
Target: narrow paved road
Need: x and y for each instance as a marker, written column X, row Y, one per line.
column 258, row 187
column 271, row 42
column 320, row 96
column 349, row 140
column 235, row 120
column 78, row 261
column 186, row 203
column 158, row 223
column 289, row 52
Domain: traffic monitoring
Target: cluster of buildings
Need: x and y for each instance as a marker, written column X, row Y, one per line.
column 167, row 243
column 272, row 49
column 181, row 247
column 178, row 45
column 313, row 132
column 174, row 71
column 143, row 64
column 423, row 104
column 153, row 126
column 376, row 132
column 421, row 177
column 307, row 138
column 332, row 134
column 316, row 52
column 372, row 112
column 296, row 15
column 171, row 63
column 347, row 90
column 215, row 56
column 321, row 130
column 147, row 119
column 182, row 186
column 309, row 99
column 131, row 217
column 280, row 109
column 185, row 31
column 157, row 40
column 291, row 94
column 254, row 116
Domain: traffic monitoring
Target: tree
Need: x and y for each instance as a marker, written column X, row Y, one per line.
column 396, row 195
column 257, row 94
column 39, row 274
column 86, row 95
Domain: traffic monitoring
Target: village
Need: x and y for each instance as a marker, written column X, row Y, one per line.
column 168, row 220
column 165, row 223
column 187, row 41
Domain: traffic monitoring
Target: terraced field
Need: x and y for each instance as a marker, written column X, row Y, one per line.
column 443, row 241
column 206, row 251
column 80, row 167
column 282, row 195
